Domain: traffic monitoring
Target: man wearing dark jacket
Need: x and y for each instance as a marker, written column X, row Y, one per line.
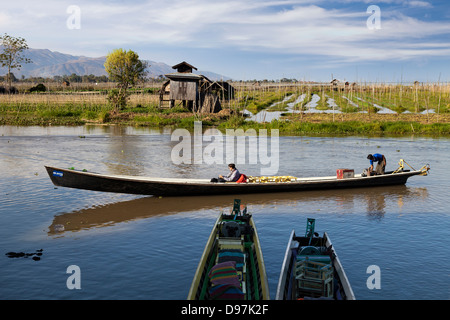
column 234, row 174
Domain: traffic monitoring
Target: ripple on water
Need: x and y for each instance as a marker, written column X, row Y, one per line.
column 130, row 254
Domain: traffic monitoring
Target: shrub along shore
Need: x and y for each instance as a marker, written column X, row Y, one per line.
column 81, row 108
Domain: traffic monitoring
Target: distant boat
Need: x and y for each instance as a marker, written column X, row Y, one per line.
column 311, row 269
column 232, row 265
column 188, row 187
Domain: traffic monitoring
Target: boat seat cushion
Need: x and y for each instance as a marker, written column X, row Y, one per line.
column 226, row 292
column 235, row 255
column 224, row 273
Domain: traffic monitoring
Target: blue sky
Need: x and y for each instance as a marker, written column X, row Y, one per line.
column 251, row 39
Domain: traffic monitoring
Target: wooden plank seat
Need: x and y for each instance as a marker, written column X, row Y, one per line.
column 317, row 258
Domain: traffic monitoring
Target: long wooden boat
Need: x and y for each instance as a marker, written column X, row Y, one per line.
column 311, row 269
column 232, row 265
column 186, row 187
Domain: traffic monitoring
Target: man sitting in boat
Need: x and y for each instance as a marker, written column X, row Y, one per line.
column 233, row 176
column 381, row 163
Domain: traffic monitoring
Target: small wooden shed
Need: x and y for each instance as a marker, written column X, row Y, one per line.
column 183, row 85
column 196, row 92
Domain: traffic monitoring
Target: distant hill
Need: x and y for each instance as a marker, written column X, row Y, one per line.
column 48, row 63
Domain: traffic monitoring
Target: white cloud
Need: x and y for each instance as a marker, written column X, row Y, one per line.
column 290, row 26
column 412, row 3
column 421, row 4
column 4, row 20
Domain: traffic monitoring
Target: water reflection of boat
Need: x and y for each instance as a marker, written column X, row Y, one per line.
column 232, row 265
column 148, row 207
column 190, row 187
column 311, row 269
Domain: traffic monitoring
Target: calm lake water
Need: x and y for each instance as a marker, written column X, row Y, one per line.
column 134, row 247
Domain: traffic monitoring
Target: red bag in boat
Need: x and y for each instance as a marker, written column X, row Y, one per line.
column 242, row 179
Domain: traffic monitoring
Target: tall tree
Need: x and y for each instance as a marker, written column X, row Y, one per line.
column 125, row 68
column 12, row 55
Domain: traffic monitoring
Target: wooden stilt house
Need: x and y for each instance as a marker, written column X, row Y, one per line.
column 195, row 92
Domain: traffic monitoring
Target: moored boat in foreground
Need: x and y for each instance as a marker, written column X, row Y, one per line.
column 311, row 269
column 232, row 265
column 189, row 187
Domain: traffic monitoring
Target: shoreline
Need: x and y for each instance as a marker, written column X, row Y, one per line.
column 419, row 110
column 301, row 123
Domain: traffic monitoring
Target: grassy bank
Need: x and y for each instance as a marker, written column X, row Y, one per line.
column 80, row 109
column 357, row 104
column 351, row 125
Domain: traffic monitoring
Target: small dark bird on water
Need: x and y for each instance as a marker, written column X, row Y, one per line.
column 25, row 255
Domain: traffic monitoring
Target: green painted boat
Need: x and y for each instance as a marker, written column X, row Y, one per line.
column 232, row 265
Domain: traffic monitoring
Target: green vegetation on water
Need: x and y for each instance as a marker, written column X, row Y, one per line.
column 255, row 101
column 343, row 127
column 359, row 115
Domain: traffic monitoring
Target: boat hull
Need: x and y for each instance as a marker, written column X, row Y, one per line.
column 256, row 283
column 285, row 287
column 190, row 187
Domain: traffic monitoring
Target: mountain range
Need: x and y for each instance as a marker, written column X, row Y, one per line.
column 48, row 63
